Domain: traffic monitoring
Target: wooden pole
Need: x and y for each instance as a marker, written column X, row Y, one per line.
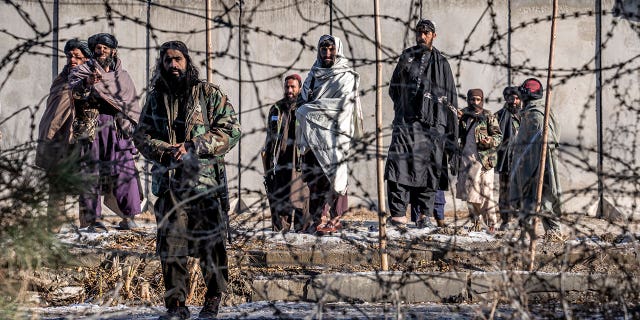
column 545, row 133
column 54, row 40
column 209, row 39
column 382, row 233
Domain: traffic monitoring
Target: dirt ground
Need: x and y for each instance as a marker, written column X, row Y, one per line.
column 121, row 266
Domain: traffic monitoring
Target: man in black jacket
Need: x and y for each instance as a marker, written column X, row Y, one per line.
column 424, row 128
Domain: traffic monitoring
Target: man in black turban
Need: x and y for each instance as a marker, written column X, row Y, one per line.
column 106, row 104
column 509, row 119
column 425, row 129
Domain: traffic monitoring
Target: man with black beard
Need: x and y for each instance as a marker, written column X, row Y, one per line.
column 105, row 102
column 186, row 127
column 286, row 191
column 509, row 119
column 425, row 129
column 329, row 121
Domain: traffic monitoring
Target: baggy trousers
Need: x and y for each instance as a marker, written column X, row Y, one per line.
column 196, row 229
column 422, row 200
column 109, row 166
column 323, row 200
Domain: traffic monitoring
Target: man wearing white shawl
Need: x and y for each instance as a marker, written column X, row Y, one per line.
column 327, row 123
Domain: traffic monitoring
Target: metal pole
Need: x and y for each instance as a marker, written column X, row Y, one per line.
column 147, row 184
column 545, row 133
column 209, row 39
column 54, row 41
column 239, row 105
column 331, row 17
column 382, row 234
column 598, row 4
column 509, row 43
column 148, row 58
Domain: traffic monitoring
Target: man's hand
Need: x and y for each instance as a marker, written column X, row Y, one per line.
column 94, row 78
column 178, row 150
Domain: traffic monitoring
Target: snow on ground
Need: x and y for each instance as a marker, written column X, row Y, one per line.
column 304, row 310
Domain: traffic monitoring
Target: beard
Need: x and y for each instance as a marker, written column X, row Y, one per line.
column 327, row 63
column 106, row 61
column 291, row 99
column 176, row 82
column 425, row 45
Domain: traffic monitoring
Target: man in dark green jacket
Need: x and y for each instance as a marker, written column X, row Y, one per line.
column 527, row 150
column 186, row 127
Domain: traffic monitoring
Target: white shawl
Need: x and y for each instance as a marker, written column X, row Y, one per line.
column 328, row 124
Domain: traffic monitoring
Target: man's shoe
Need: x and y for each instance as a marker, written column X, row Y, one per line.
column 127, row 224
column 176, row 313
column 97, row 227
column 424, row 222
column 210, row 308
column 440, row 223
column 328, row 228
column 399, row 223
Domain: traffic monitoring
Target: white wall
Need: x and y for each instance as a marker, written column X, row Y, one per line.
column 273, row 30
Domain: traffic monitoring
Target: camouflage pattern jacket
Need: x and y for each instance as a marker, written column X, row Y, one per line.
column 209, row 138
column 488, row 126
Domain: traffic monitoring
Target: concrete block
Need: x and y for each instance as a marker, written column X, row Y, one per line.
column 388, row 287
column 482, row 284
column 279, row 289
column 609, row 211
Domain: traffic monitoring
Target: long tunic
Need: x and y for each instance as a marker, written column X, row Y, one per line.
column 425, row 128
column 527, row 149
column 509, row 125
column 474, row 185
column 54, row 130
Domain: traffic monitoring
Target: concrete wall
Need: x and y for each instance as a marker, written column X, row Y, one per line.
column 279, row 37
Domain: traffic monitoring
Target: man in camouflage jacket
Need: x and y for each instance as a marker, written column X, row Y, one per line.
column 186, row 127
column 288, row 195
column 480, row 135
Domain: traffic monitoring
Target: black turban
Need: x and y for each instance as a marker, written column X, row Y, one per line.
column 78, row 44
column 425, row 26
column 104, row 39
column 510, row 91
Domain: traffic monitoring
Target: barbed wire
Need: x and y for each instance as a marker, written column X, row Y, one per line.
column 590, row 250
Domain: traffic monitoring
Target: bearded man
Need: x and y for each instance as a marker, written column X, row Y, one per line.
column 286, row 192
column 425, row 130
column 329, row 120
column 509, row 119
column 54, row 131
column 480, row 136
column 525, row 165
column 106, row 104
column 186, row 127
